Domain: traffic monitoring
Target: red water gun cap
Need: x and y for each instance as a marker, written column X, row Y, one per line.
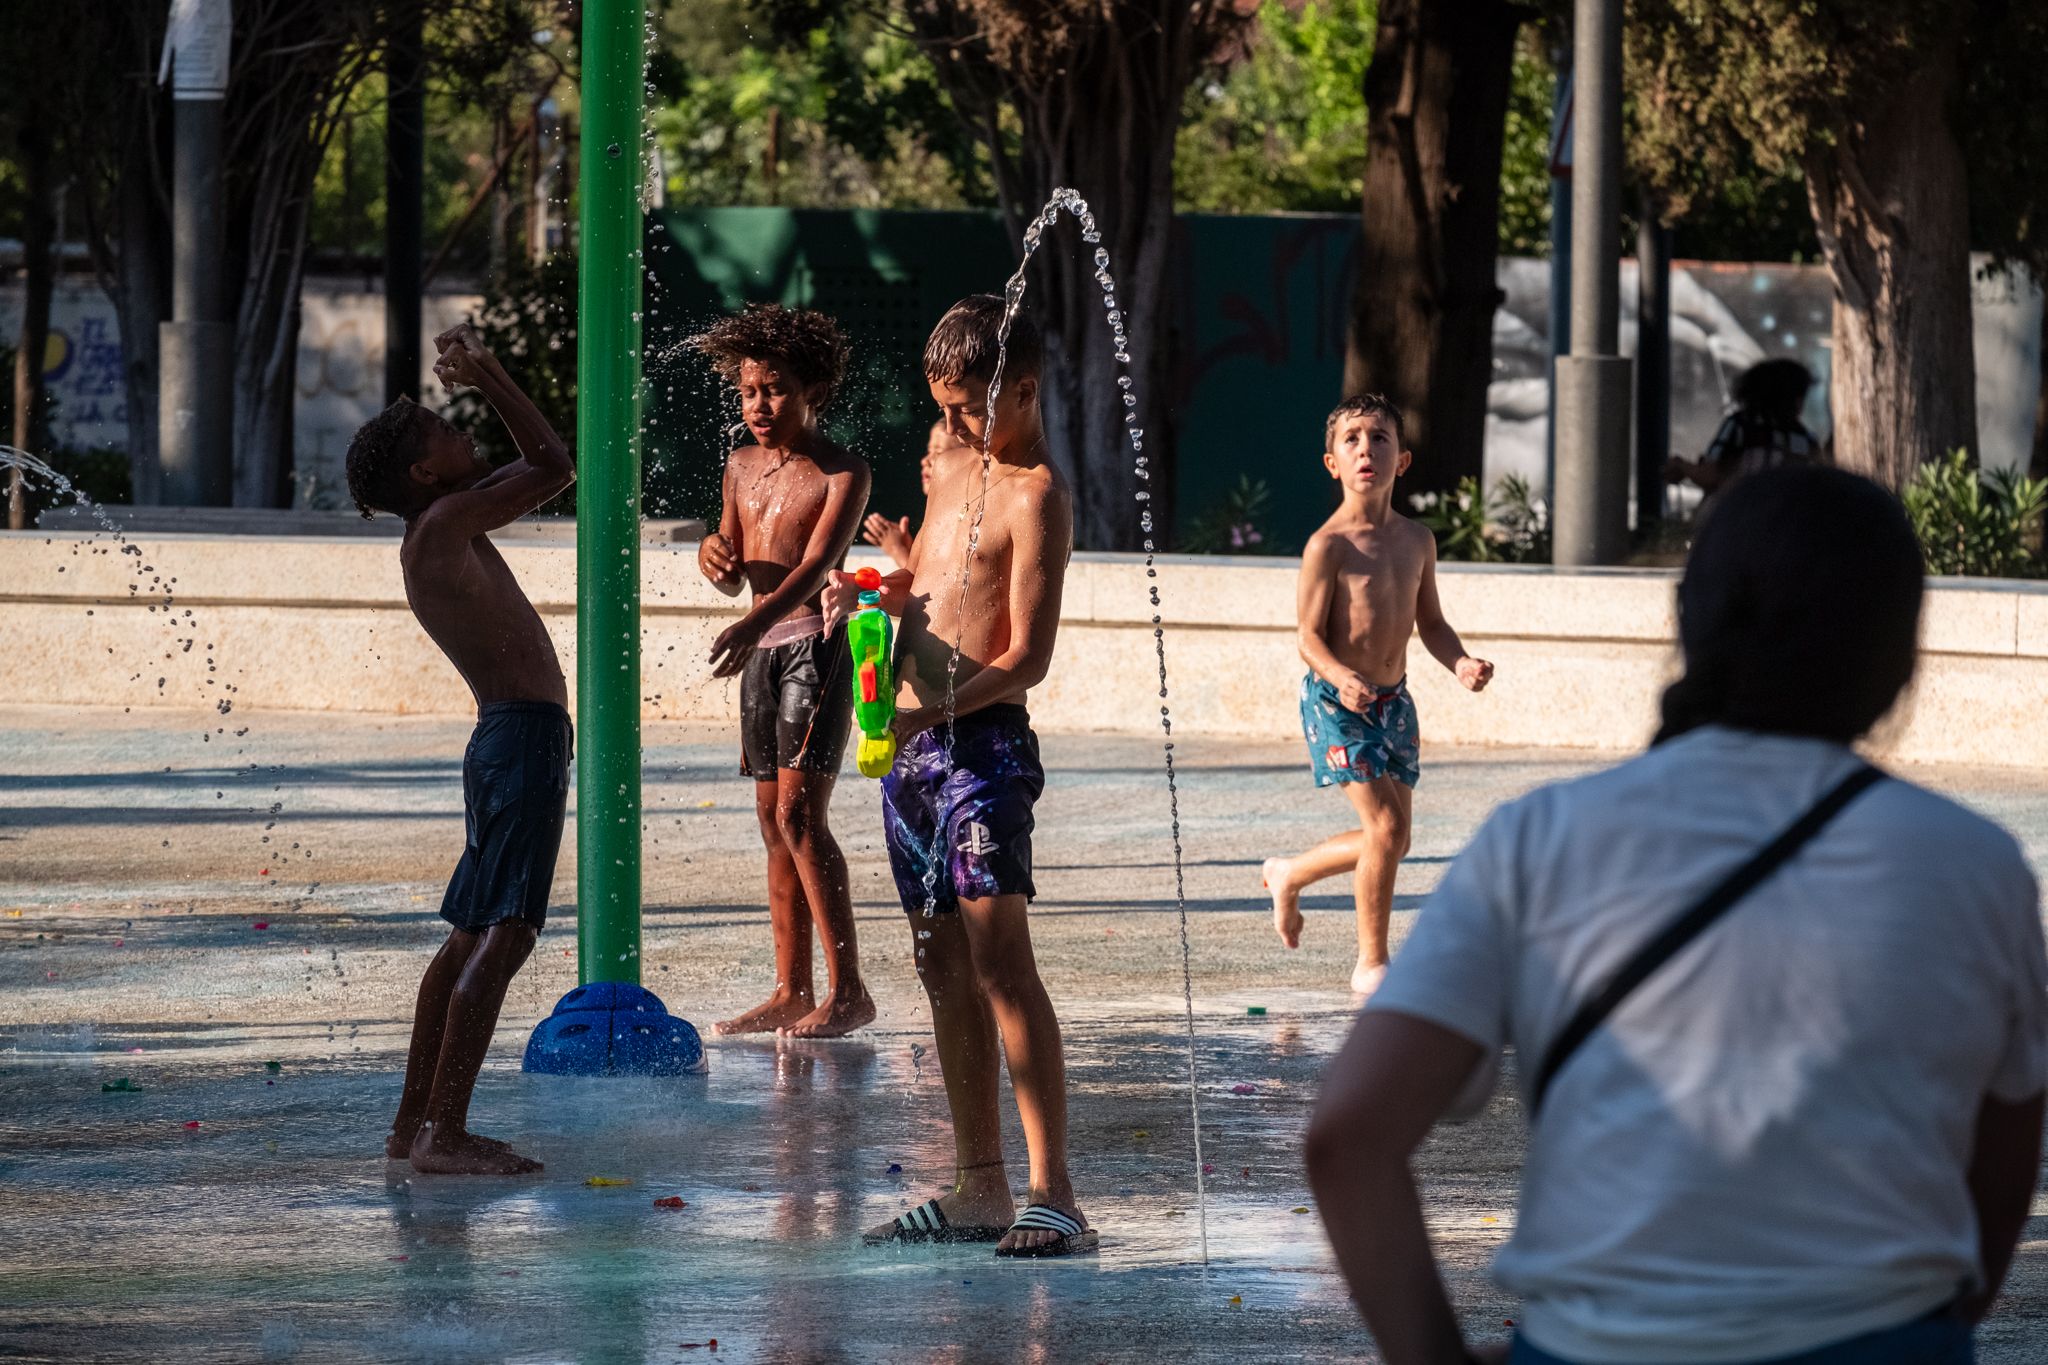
column 868, row 578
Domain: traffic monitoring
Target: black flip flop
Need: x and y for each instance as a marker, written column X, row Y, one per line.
column 926, row 1225
column 1072, row 1239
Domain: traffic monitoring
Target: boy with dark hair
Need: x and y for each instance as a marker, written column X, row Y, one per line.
column 793, row 501
column 1368, row 582
column 515, row 775
column 957, row 810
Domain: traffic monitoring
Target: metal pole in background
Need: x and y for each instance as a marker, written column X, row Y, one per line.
column 608, row 496
column 609, row 1025
column 195, row 399
column 405, row 151
column 1593, row 380
column 1653, row 362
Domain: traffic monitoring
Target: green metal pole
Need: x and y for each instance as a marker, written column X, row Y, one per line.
column 608, row 496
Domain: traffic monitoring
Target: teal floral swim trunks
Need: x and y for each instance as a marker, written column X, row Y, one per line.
column 1344, row 746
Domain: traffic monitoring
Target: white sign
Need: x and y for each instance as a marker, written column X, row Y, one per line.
column 196, row 49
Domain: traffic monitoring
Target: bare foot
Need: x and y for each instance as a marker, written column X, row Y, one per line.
column 1365, row 980
column 461, row 1153
column 988, row 1207
column 779, row 1011
column 1286, row 899
column 834, row 1019
column 398, row 1147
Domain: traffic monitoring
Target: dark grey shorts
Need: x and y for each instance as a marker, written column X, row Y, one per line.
column 515, row 794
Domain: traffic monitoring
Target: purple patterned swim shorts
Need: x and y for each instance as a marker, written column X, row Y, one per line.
column 982, row 802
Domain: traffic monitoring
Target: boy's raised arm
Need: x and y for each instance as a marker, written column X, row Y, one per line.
column 845, row 500
column 1438, row 638
column 543, row 468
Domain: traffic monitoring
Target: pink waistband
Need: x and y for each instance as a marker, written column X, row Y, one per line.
column 794, row 629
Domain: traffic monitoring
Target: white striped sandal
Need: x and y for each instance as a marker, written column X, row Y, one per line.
column 1071, row 1239
column 926, row 1225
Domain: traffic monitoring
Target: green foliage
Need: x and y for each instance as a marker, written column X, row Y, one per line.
column 1976, row 523
column 1717, row 83
column 858, row 118
column 1508, row 526
column 1284, row 128
column 348, row 190
column 1525, row 152
column 1240, row 523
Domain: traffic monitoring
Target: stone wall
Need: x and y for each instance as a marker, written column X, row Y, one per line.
column 318, row 624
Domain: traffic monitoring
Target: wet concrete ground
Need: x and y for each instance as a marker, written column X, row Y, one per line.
column 135, row 855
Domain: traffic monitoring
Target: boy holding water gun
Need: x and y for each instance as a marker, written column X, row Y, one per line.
column 792, row 502
column 1368, row 582
column 957, row 809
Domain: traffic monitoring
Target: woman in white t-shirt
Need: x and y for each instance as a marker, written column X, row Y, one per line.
column 1812, row 1134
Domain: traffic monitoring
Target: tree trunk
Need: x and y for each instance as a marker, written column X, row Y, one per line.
column 1123, row 167
column 267, row 331
column 1100, row 120
column 39, row 279
column 1436, row 96
column 1891, row 209
column 141, row 296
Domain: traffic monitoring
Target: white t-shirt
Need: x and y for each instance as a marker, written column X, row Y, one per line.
column 1763, row 1149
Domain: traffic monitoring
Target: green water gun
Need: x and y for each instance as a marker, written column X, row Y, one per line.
column 872, row 638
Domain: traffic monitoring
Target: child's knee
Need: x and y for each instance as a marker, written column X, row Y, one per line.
column 1388, row 828
column 796, row 823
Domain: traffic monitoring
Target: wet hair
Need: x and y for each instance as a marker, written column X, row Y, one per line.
column 379, row 456
column 803, row 342
column 1799, row 611
column 964, row 344
column 1775, row 388
column 1363, row 405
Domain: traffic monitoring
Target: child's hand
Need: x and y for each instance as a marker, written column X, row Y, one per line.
column 892, row 536
column 716, row 560
column 909, row 724
column 1474, row 674
column 841, row 595
column 736, row 643
column 1356, row 693
column 464, row 359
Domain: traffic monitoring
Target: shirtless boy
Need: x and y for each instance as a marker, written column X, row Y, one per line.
column 1368, row 582
column 792, row 504
column 957, row 810
column 893, row 537
column 515, row 774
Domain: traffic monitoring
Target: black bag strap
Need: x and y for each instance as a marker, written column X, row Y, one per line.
column 1695, row 921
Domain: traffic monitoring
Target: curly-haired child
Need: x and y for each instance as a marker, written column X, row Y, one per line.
column 792, row 502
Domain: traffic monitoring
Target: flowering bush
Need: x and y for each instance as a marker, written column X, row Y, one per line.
column 1509, row 526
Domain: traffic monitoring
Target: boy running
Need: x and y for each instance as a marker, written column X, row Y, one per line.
column 792, row 504
column 515, row 774
column 957, row 809
column 1368, row 582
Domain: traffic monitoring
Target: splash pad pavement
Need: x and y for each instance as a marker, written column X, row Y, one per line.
column 163, row 949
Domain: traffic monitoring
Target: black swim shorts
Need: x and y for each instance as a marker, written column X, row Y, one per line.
column 515, row 793
column 796, row 707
